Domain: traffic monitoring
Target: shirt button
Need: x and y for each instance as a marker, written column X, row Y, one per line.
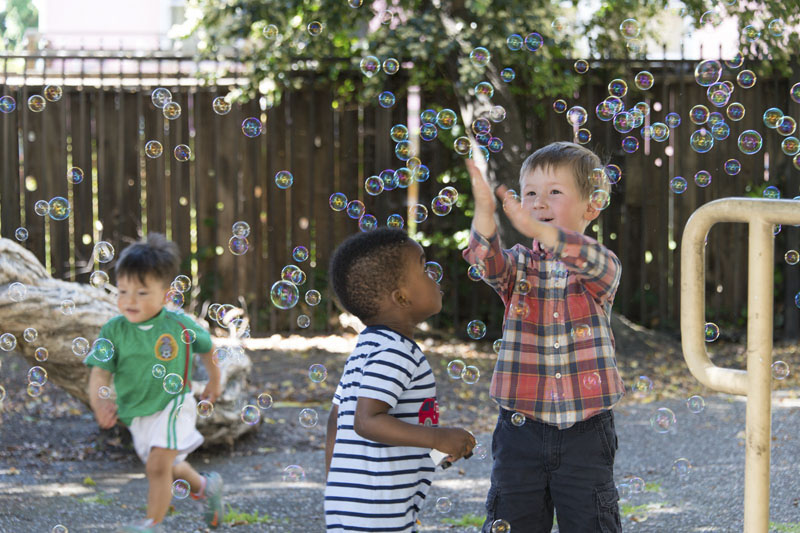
column 555, row 315
column 556, row 345
column 558, row 375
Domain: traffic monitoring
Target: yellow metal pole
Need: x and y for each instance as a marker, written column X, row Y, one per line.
column 758, row 417
column 755, row 383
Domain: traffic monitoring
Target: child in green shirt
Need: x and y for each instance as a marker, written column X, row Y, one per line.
column 150, row 359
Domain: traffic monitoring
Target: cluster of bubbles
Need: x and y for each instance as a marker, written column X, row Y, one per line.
column 458, row 369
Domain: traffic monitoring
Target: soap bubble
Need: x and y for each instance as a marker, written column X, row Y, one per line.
column 644, row 80
column 576, row 116
column 507, row 75
column 476, row 272
column 308, row 417
column 581, row 66
column 160, row 97
column 317, row 373
column 264, row 401
column 21, row 234
column 294, row 473
column 252, row 127
column 238, row 245
column 772, row 117
column 514, row 42
column 476, row 329
column 153, row 149
column 642, row 386
column 695, row 404
column 780, row 370
column 702, row 178
column 67, row 307
column 182, row 153
column 746, row 79
column 443, row 505
column 313, row 297
column 533, row 41
column 8, row 342
column 338, row 201
column 701, row 141
column 41, row 207
column 750, row 142
column 205, row 409
column 732, row 167
column 158, row 371
column 708, row 72
column 681, row 467
column 180, row 489
column 518, row 419
column 386, row 99
column 391, row 66
column 434, row 271
column 792, row 257
column 480, row 56
column 673, row 120
column 446, row 119
column 171, row 110
column 284, row 294
column 455, row 368
column 59, row 208
column 303, row 321
column 370, row 65
column 30, row 334
column 103, row 252
column 662, row 420
column 75, row 175
column 629, row 28
column 559, row 106
column 37, row 103
column 173, row 383
column 102, row 349
column 470, row 375
column 7, row 104
column 314, row 28
column 250, row 415
column 284, row 179
column 221, row 106
column 618, row 88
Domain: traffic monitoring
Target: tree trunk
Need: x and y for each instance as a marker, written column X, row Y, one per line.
column 41, row 309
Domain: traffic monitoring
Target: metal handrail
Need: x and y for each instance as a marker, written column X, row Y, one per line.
column 761, row 216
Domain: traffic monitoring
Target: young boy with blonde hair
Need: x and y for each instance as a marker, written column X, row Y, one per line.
column 556, row 377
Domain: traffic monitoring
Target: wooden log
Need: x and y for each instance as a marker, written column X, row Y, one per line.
column 41, row 309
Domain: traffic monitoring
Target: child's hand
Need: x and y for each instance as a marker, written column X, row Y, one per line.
column 455, row 442
column 519, row 218
column 212, row 391
column 105, row 412
column 481, row 190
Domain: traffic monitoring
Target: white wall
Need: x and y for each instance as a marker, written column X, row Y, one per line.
column 106, row 24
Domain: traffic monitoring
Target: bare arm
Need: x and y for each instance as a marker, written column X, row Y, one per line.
column 483, row 220
column 373, row 422
column 213, row 389
column 105, row 410
column 330, row 437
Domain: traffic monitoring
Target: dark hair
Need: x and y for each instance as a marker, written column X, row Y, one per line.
column 367, row 266
column 155, row 256
column 579, row 158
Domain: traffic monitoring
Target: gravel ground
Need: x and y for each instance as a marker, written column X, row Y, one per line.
column 50, row 445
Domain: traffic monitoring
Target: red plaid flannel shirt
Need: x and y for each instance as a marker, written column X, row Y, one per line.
column 556, row 362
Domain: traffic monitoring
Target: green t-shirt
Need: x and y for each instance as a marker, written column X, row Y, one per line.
column 138, row 347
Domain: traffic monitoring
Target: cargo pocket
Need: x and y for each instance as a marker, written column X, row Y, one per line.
column 607, row 500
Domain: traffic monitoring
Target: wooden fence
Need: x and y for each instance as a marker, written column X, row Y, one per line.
column 332, row 146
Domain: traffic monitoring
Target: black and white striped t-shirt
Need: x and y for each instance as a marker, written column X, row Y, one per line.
column 373, row 486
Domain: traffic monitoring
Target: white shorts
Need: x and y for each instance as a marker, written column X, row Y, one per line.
column 172, row 428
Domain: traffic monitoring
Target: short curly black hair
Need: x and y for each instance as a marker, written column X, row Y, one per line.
column 367, row 266
column 156, row 256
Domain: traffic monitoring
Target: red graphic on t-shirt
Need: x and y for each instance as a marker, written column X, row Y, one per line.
column 429, row 412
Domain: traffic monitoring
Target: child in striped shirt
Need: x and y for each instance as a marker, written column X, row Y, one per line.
column 383, row 422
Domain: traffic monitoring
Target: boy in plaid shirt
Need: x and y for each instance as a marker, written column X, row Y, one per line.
column 556, row 377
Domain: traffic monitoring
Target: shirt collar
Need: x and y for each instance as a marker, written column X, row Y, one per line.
column 541, row 251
